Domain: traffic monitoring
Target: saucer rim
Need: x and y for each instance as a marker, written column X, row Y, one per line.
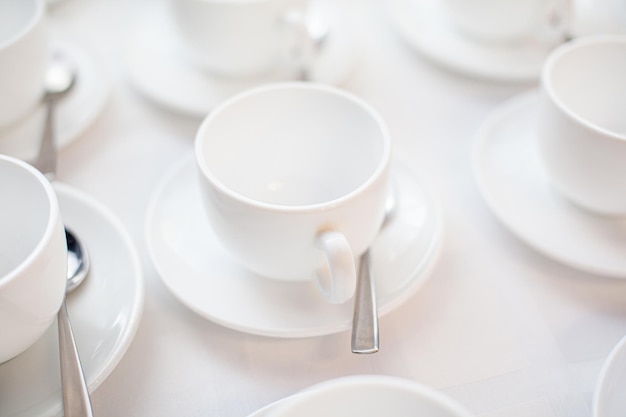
column 136, row 314
column 505, row 111
column 53, row 405
column 397, row 12
column 418, row 277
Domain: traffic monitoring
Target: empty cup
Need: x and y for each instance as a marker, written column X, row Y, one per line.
column 294, row 178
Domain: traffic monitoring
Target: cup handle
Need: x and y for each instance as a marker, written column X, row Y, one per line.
column 303, row 43
column 337, row 277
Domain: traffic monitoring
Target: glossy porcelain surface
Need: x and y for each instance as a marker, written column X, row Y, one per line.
column 275, row 185
column 196, row 268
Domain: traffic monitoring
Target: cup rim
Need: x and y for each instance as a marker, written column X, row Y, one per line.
column 355, row 381
column 548, row 87
column 51, row 224
column 378, row 173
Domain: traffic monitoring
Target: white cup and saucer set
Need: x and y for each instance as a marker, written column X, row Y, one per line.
column 505, row 41
column 189, row 55
column 27, row 50
column 106, row 309
column 261, row 232
column 551, row 163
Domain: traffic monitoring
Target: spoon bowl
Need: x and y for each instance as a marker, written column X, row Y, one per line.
column 60, row 78
column 78, row 262
column 76, row 401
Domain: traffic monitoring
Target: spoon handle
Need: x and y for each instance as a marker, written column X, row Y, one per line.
column 47, row 159
column 365, row 320
column 76, row 402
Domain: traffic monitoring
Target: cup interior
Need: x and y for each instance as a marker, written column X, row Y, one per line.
column 588, row 80
column 292, row 145
column 25, row 214
column 15, row 17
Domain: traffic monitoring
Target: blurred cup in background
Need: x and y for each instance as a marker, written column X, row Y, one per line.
column 241, row 38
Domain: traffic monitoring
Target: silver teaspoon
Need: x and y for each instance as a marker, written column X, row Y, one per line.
column 76, row 401
column 365, row 337
column 60, row 79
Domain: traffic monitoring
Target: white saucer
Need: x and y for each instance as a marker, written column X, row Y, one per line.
column 74, row 113
column 423, row 24
column 158, row 68
column 516, row 187
column 105, row 312
column 609, row 399
column 198, row 271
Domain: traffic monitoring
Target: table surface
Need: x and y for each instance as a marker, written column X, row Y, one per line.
column 500, row 328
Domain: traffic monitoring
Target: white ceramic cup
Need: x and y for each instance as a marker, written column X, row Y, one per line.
column 581, row 126
column 23, row 58
column 33, row 256
column 368, row 396
column 509, row 21
column 295, row 177
column 241, row 38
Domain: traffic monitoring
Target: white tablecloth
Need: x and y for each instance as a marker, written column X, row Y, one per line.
column 499, row 327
